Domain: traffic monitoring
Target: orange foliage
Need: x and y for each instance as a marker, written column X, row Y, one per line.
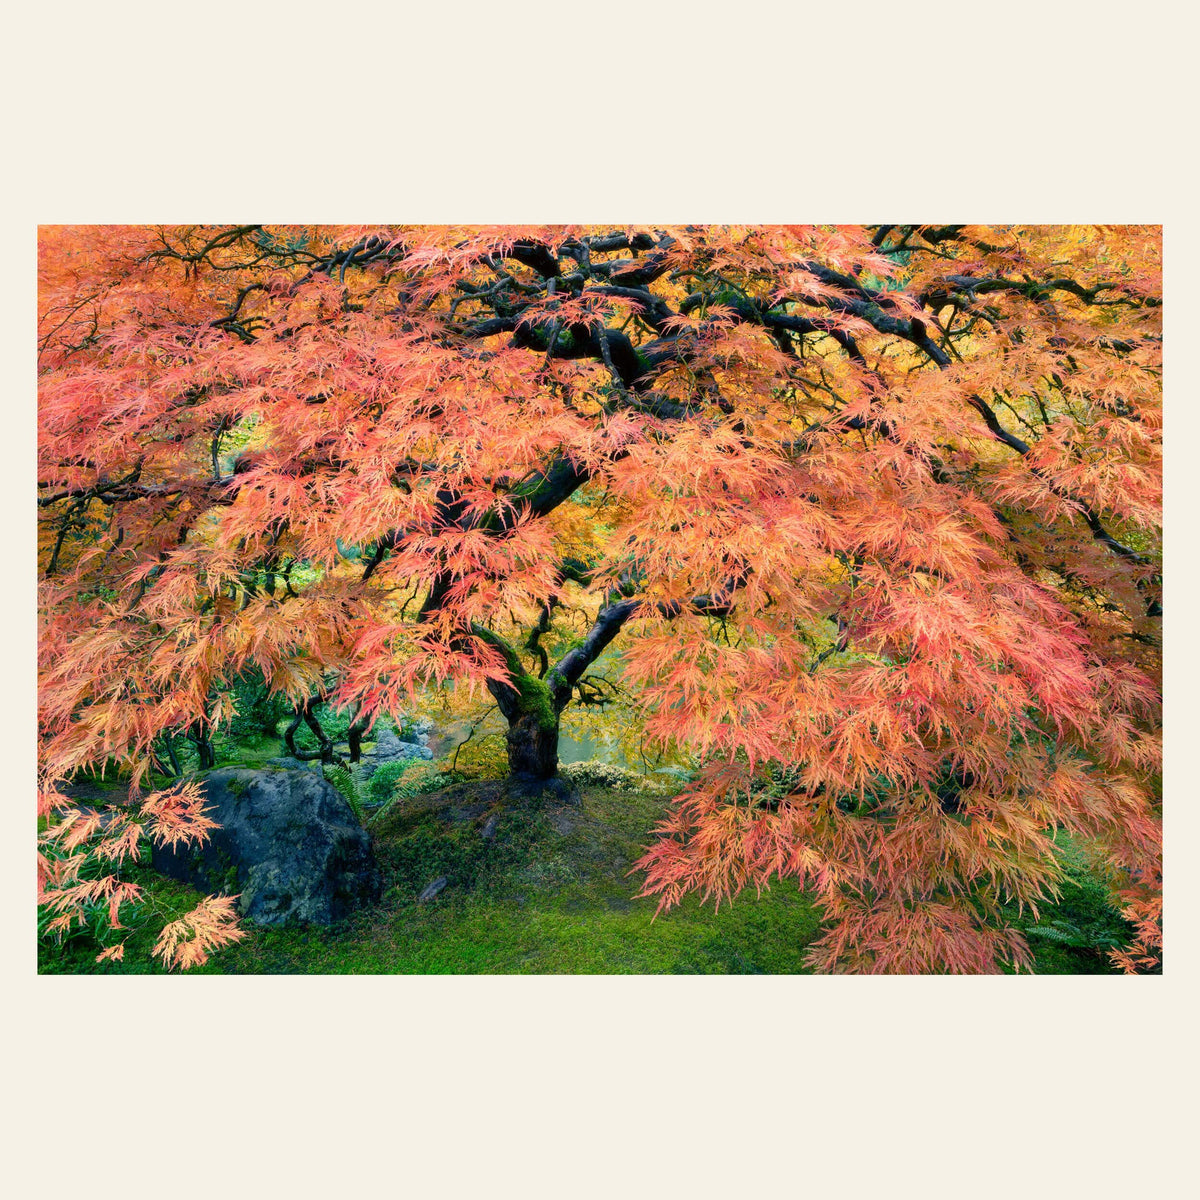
column 210, row 925
column 880, row 539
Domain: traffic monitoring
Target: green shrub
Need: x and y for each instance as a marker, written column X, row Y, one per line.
column 258, row 712
column 421, row 781
column 383, row 782
column 606, row 775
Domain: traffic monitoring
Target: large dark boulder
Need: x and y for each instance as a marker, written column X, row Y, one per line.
column 288, row 842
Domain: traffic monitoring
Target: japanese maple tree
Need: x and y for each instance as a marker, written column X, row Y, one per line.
column 872, row 514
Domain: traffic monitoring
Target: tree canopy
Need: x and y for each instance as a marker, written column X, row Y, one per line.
column 871, row 514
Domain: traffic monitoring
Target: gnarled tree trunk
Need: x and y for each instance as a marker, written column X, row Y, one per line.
column 532, row 746
column 532, row 705
column 529, row 706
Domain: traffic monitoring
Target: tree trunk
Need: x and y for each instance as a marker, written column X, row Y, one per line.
column 171, row 757
column 532, row 744
column 531, row 710
column 204, row 748
column 304, row 712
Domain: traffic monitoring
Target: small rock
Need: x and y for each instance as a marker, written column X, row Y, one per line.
column 563, row 824
column 433, row 889
column 389, row 748
column 385, row 742
column 489, row 827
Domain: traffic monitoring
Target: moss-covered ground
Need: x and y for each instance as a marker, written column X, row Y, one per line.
column 549, row 892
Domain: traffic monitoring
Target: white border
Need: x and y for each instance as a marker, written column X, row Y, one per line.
column 1049, row 112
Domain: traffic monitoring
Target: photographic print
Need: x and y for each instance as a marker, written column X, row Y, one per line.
column 586, row 599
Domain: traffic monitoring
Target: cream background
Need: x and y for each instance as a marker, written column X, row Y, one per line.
column 647, row 1086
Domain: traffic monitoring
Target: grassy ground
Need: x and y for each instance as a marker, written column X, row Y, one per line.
column 549, row 893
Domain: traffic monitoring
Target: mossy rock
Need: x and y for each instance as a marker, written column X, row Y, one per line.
column 287, row 841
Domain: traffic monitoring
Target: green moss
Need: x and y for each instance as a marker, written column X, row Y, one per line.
column 537, row 700
column 253, row 751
